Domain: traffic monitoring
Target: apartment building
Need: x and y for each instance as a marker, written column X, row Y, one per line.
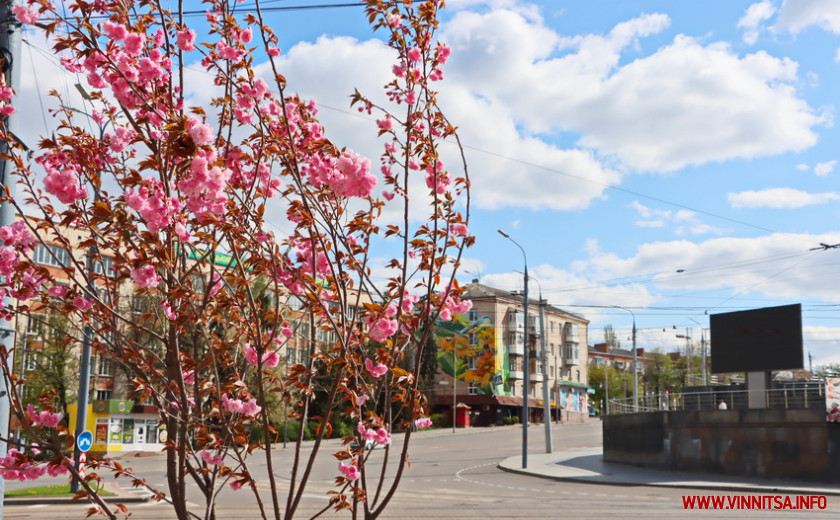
column 482, row 355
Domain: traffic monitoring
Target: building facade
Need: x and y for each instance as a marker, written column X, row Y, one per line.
column 482, row 354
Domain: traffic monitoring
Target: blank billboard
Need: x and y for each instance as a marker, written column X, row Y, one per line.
column 757, row 340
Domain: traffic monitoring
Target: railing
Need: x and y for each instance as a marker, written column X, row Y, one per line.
column 801, row 395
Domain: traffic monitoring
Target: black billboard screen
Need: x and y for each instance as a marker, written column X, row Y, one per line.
column 757, row 340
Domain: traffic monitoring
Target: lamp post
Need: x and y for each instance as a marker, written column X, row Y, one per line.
column 635, row 373
column 527, row 371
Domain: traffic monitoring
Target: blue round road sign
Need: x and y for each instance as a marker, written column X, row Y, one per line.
column 84, row 441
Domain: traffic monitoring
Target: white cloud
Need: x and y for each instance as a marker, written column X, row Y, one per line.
column 802, row 167
column 752, row 19
column 824, row 168
column 779, row 198
column 796, row 15
column 706, row 104
column 685, row 222
column 776, row 266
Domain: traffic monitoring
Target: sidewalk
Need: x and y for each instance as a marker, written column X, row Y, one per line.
column 587, row 465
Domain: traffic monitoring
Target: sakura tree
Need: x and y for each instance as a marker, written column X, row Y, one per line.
column 149, row 205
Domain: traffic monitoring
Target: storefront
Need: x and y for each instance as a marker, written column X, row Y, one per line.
column 120, row 425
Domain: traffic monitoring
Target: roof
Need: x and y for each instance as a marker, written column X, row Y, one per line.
column 475, row 290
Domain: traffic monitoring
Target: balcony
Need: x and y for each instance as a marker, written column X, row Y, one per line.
column 536, row 378
column 516, row 374
column 572, row 360
column 517, row 349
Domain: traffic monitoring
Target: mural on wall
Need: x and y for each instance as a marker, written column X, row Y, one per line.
column 473, row 340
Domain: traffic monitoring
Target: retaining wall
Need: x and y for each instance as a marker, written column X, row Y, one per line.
column 793, row 443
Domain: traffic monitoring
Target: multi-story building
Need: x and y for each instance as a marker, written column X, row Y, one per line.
column 483, row 352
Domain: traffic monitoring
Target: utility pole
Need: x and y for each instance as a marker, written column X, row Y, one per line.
column 546, row 401
column 9, row 51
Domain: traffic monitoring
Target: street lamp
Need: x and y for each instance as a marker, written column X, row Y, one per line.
column 527, row 371
column 635, row 373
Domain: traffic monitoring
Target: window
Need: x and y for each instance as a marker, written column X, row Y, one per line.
column 539, row 366
column 104, row 366
column 578, row 375
column 551, row 346
column 104, row 265
column 51, row 255
column 473, row 337
column 35, row 325
column 472, row 388
column 472, row 363
column 103, row 395
column 290, row 356
column 30, row 361
column 472, row 315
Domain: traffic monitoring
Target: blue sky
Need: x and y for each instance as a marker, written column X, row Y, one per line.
column 672, row 158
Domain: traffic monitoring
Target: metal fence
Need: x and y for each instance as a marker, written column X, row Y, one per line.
column 805, row 394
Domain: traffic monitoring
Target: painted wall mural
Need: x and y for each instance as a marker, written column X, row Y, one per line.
column 474, row 340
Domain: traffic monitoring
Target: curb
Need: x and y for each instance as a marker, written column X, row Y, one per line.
column 120, row 496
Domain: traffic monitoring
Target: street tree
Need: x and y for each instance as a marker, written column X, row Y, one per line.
column 167, row 188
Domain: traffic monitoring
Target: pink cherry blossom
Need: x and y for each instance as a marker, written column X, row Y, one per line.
column 134, row 43
column 65, row 184
column 350, row 471
column 382, row 329
column 186, row 40
column 443, row 53
column 377, row 370
column 189, row 377
column 459, row 230
column 211, row 460
column 24, row 15
column 83, row 304
column 201, row 133
column 146, row 276
column 423, row 422
column 385, row 124
column 115, row 31
column 168, row 312
column 415, row 54
column 362, row 399
column 57, row 291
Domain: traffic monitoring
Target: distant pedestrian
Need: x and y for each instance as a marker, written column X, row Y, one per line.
column 722, row 405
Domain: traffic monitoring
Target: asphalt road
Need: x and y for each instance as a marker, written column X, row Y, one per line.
column 455, row 476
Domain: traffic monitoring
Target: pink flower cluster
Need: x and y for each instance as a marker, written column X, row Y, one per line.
column 350, row 471
column 270, row 358
column 348, row 176
column 378, row 435
column 201, row 133
column 245, row 407
column 377, row 370
column 16, row 466
column 146, row 276
column 125, row 71
column 204, row 188
column 25, row 16
column 16, row 235
column 423, row 422
column 45, row 418
column 451, row 306
column 382, row 329
column 150, row 201
column 437, row 178
column 63, row 178
column 211, row 460
column 6, row 94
